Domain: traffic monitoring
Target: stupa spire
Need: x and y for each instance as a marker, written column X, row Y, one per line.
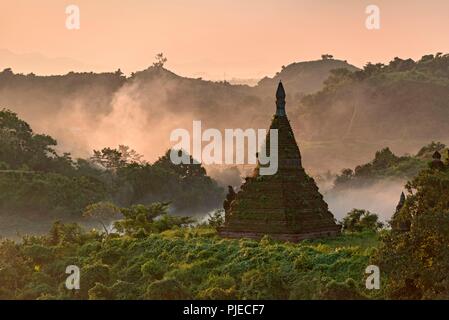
column 280, row 100
column 286, row 205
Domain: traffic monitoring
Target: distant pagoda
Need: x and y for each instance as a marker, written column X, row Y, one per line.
column 287, row 205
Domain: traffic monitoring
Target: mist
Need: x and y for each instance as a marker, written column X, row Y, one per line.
column 92, row 111
column 380, row 198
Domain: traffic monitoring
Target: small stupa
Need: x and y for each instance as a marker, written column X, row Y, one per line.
column 286, row 205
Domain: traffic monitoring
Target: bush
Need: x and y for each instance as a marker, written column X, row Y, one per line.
column 167, row 289
column 216, row 219
column 341, row 291
column 161, row 266
column 416, row 258
column 361, row 220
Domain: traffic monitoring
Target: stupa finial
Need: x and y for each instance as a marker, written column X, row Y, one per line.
column 280, row 100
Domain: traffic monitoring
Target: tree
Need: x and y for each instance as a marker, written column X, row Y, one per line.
column 114, row 159
column 140, row 220
column 327, row 56
column 370, row 69
column 428, row 150
column 216, row 219
column 384, row 158
column 183, row 170
column 415, row 258
column 359, row 220
column 102, row 212
column 129, row 155
column 110, row 159
column 427, row 58
column 160, row 60
column 20, row 146
column 345, row 176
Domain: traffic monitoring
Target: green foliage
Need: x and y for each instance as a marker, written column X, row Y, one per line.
column 100, row 292
column 48, row 192
column 114, row 159
column 38, row 184
column 154, row 269
column 385, row 165
column 186, row 186
column 341, row 291
column 404, row 100
column 20, row 146
column 426, row 152
column 216, row 219
column 140, row 220
column 415, row 258
column 93, row 275
column 361, row 220
column 167, row 289
column 102, row 212
column 182, row 263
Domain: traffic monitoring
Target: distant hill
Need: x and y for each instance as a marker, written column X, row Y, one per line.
column 341, row 115
column 38, row 62
column 402, row 100
column 388, row 166
column 304, row 77
column 376, row 184
column 77, row 107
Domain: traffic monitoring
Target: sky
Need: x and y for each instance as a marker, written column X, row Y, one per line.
column 214, row 39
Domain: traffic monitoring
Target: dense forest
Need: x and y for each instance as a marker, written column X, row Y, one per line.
column 148, row 253
column 149, row 258
column 131, row 225
column 388, row 166
column 38, row 185
column 413, row 94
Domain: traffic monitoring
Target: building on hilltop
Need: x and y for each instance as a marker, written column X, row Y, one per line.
column 286, row 205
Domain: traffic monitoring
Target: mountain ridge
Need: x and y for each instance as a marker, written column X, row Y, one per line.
column 93, row 109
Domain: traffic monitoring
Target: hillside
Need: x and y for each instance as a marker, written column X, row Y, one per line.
column 388, row 166
column 38, row 185
column 403, row 100
column 340, row 116
column 90, row 110
column 376, row 184
column 303, row 78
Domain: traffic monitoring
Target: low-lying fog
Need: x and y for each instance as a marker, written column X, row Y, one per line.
column 380, row 198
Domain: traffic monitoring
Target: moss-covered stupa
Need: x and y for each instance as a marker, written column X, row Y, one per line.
column 287, row 205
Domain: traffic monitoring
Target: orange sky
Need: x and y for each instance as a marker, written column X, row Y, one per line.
column 210, row 38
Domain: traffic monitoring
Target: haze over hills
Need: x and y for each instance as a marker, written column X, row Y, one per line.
column 38, row 62
column 89, row 110
column 339, row 121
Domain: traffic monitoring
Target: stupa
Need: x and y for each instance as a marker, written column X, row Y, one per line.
column 286, row 205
